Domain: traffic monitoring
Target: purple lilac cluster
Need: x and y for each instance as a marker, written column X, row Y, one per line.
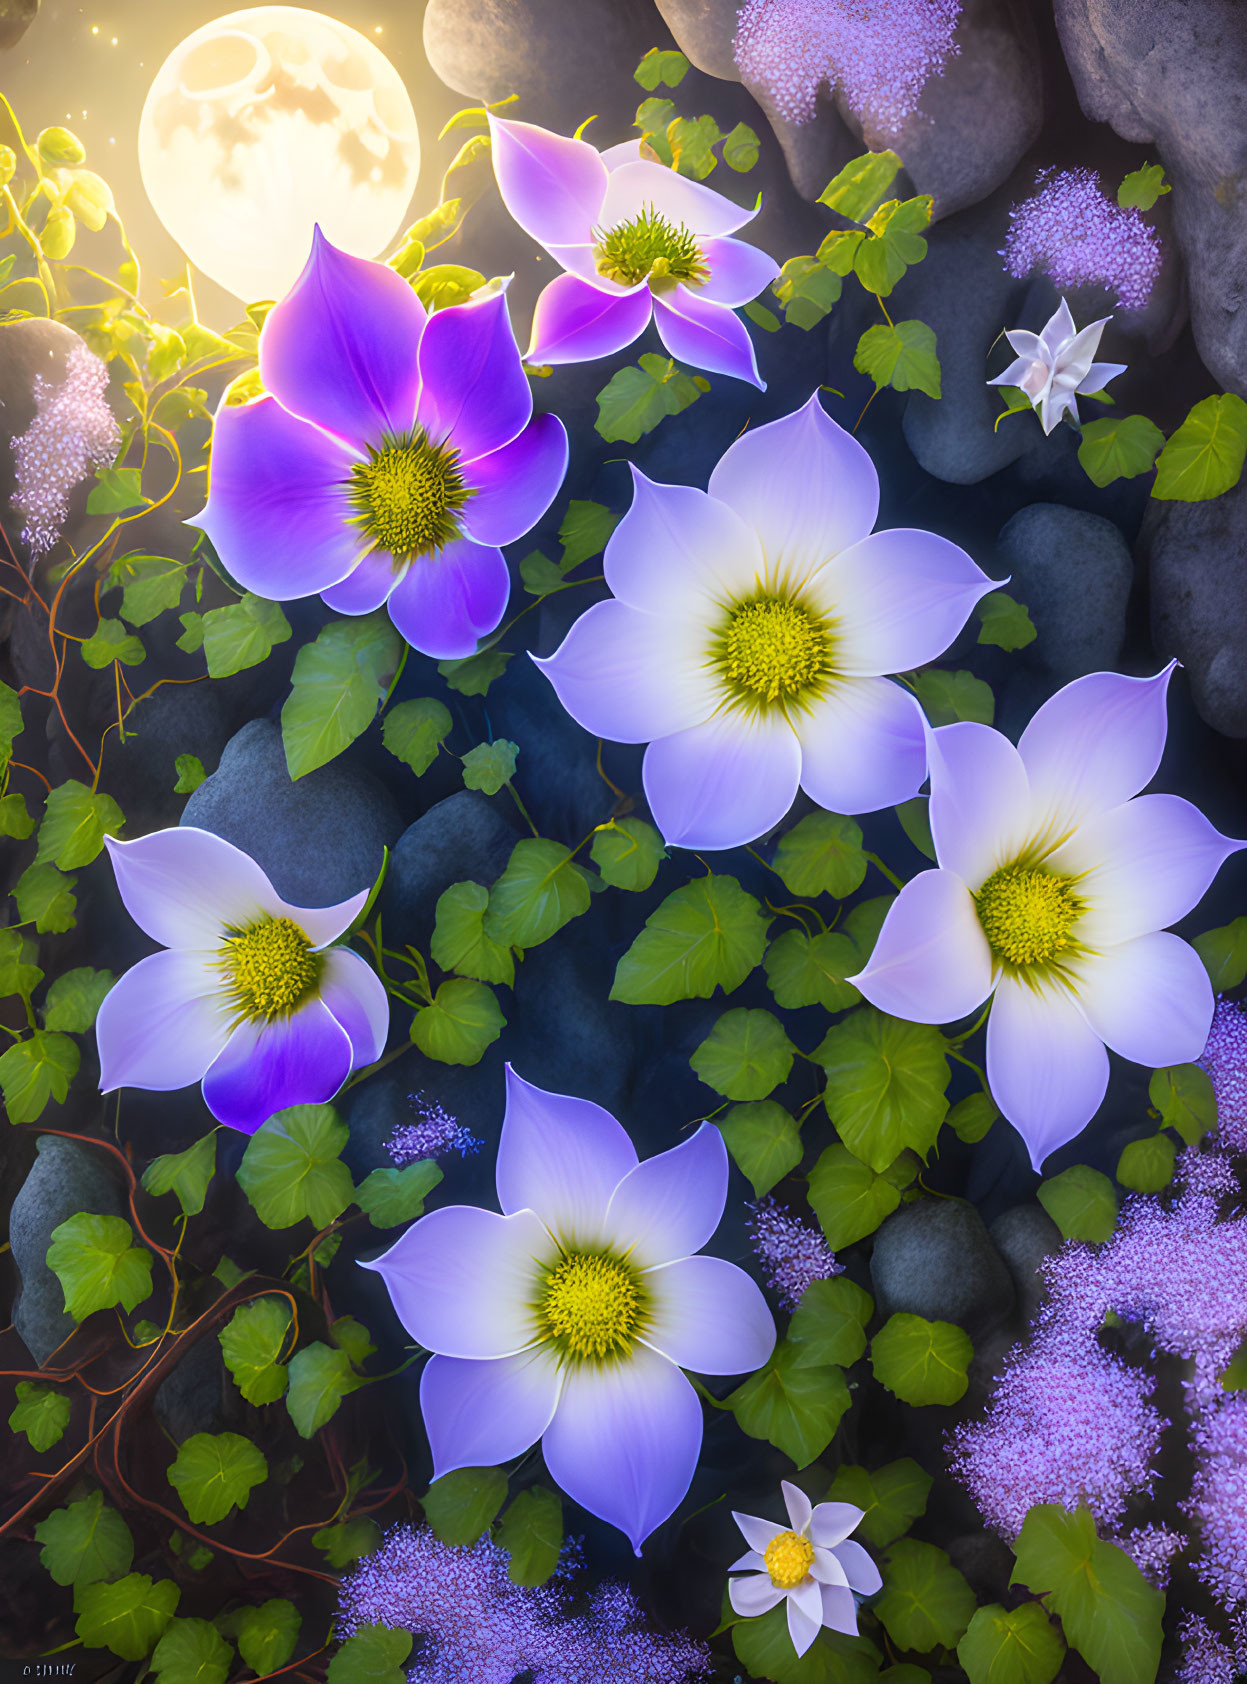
column 792, row 1253
column 1078, row 236
column 1225, row 1060
column 1206, row 1657
column 1218, row 1503
column 73, row 433
column 880, row 53
column 434, row 1133
column 478, row 1627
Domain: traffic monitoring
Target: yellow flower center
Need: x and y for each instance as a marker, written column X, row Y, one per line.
column 788, row 1559
column 271, row 968
column 592, row 1306
column 774, row 650
column 408, row 495
column 1027, row 913
column 650, row 247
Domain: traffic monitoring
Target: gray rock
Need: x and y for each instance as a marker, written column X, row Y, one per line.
column 65, row 1178
column 178, row 719
column 934, row 1258
column 556, row 773
column 1074, row 572
column 704, row 31
column 565, row 1033
column 463, row 838
column 193, row 1399
column 320, row 840
column 1024, row 1237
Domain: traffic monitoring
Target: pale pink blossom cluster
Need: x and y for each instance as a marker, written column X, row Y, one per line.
column 73, row 433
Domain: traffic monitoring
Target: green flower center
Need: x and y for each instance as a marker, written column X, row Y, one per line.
column 408, row 495
column 788, row 1559
column 1027, row 914
column 592, row 1306
column 270, row 967
column 774, row 650
column 650, row 247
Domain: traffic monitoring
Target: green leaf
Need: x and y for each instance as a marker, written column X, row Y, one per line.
column 1234, row 1376
column 85, row 1542
column 765, row 1648
column 893, row 244
column 885, row 1084
column 638, row 398
column 292, row 1169
column 1081, row 1202
column 192, row 1652
column 1119, row 447
column 971, row 1117
column 584, row 532
column 1184, row 1096
column 75, row 822
column 336, row 687
column 830, row 1321
column 74, row 999
column 215, row 1473
column 192, row 638
column 18, row 975
column 185, row 1173
column 793, row 1403
column 663, row 65
column 251, row 1343
column 902, row 356
column 627, row 853
column 821, row 855
column 531, row 1531
column 352, row 1337
column 109, row 642
column 45, row 896
column 320, row 1377
column 766, row 319
column 692, row 141
column 1020, row 1646
column 41, row 1412
column 807, row 290
column 127, row 1617
column 891, row 1498
column 805, row 970
column 1224, row 952
column 1146, row 1166
column 489, row 766
column 848, row 1198
column 921, row 1361
column 375, row 1655
column 473, row 675
column 741, row 148
column 459, row 939
column 861, row 184
column 151, row 585
column 464, row 1020
column 1004, row 622
column 115, row 491
column 706, row 934
column 267, row 1634
column 97, row 1266
column 1142, row 187
column 35, row 1070
column 947, row 697
column 242, row 635
column 391, row 1196
column 414, row 731
column 348, row 1541
column 745, row 1056
column 1205, row 456
column 652, row 118
column 764, row 1142
column 460, row 1506
column 11, row 724
column 444, row 284
column 191, row 773
column 540, row 891
column 15, row 819
column 1110, row 1613
column 925, row 1602
column 540, row 575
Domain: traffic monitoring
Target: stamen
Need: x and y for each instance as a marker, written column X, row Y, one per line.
column 650, row 247
column 592, row 1306
column 1027, row 914
column 788, row 1558
column 774, row 650
column 271, row 968
column 409, row 495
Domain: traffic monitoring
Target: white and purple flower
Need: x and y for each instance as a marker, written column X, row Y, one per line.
column 1056, row 880
column 250, row 996
column 1052, row 367
column 396, row 453
column 569, row 1317
column 636, row 240
column 750, row 632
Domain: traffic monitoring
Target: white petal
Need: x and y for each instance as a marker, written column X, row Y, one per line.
column 798, row 1505
column 1149, row 999
column 679, row 551
column 184, row 886
column 670, row 1205
column 725, row 782
column 833, row 1522
column 756, row 1532
column 478, row 1414
column 1058, row 331
column 863, row 1576
column 708, row 1315
column 357, row 997
column 839, row 1609
column 561, row 1157
column 644, row 185
column 980, row 800
column 1098, row 376
column 862, row 746
column 750, row 1562
column 754, row 1595
column 161, row 1024
column 825, row 1569
column 931, row 963
column 805, row 1614
column 1046, row 1066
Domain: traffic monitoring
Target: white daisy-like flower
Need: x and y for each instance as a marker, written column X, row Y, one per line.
column 1052, row 367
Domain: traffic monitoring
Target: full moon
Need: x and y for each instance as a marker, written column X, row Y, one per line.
column 264, row 123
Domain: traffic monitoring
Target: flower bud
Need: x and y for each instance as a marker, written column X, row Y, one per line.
column 59, row 146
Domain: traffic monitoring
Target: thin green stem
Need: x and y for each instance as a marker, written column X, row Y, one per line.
column 887, row 871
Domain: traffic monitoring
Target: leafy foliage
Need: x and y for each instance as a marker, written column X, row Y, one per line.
column 461, row 1023
column 251, row 1344
column 1081, row 1202
column 891, row 1498
column 41, row 1412
column 636, row 399
column 1205, row 456
column 885, row 1085
column 822, row 854
column 414, row 731
column 921, row 1361
column 745, row 1055
column 763, row 1141
column 705, row 935
column 214, row 1474
column 291, row 1169
column 1018, row 1646
column 795, row 1402
column 460, row 1506
column 531, row 1531
column 925, row 1602
column 127, row 1616
column 85, row 1542
column 337, row 685
column 97, row 1266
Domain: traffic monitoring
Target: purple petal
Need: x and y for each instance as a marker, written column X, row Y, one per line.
column 561, row 1157
column 624, row 152
column 576, row 322
column 643, row 185
column 832, row 1523
column 1149, row 999
column 678, row 551
column 800, row 1509
column 722, row 783
column 862, row 746
column 753, row 1595
column 805, row 1615
column 552, row 186
column 863, row 1576
column 980, row 800
column 806, row 487
column 1098, row 376
column 474, row 391
column 667, row 1207
column 1093, row 745
column 630, row 677
column 161, row 1024
column 302, row 1059
column 444, row 604
column 340, row 348
column 709, row 1316
column 1046, row 1066
column 931, row 963
column 357, row 998
column 278, row 513
column 624, row 1441
column 1058, row 330
column 368, row 587
column 463, row 1280
column 184, row 886
column 738, row 272
column 696, row 330
column 479, row 1414
column 898, row 599
column 839, row 1609
column 515, row 485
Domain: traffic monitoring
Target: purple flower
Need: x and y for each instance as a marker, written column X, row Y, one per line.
column 811, row 1564
column 1152, row 1548
column 1055, row 883
column 635, row 240
column 750, row 633
column 436, row 1133
column 1052, row 367
column 73, row 433
column 249, row 996
column 793, row 1253
column 1206, row 1658
column 879, row 53
column 397, row 452
column 1218, row 1503
column 1077, row 236
column 569, row 1317
column 1225, row 1060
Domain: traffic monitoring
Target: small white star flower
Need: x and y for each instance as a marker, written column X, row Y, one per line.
column 1052, row 367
